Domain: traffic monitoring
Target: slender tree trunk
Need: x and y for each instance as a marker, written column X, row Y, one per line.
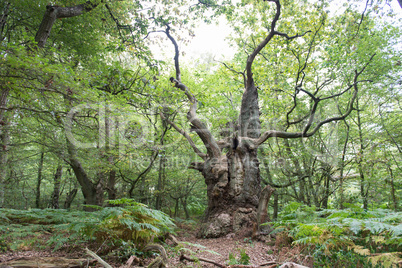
column 143, row 191
column 342, row 166
column 4, row 141
column 39, row 179
column 363, row 186
column 276, row 205
column 184, row 204
column 176, row 207
column 56, row 187
column 93, row 192
column 71, row 194
column 393, row 195
column 326, row 188
column 160, row 185
column 301, row 189
column 3, row 20
column 314, row 192
column 262, row 211
column 111, row 181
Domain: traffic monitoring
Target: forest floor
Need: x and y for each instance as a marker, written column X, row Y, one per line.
column 232, row 249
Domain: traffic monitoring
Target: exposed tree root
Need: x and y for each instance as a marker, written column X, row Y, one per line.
column 172, row 238
column 160, row 261
column 99, row 259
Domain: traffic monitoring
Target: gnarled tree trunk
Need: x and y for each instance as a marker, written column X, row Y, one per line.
column 233, row 179
column 233, row 189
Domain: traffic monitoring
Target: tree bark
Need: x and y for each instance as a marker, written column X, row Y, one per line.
column 262, row 211
column 71, row 195
column 233, row 190
column 111, row 174
column 56, row 12
column 56, row 187
column 93, row 193
column 4, row 141
column 39, row 179
column 363, row 186
column 161, row 179
column 184, row 204
column 3, row 20
column 342, row 167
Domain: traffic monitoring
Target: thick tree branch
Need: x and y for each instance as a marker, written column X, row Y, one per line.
column 199, row 127
column 257, row 50
column 176, row 53
column 185, row 134
column 56, row 12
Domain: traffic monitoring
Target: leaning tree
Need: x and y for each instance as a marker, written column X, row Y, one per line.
column 230, row 165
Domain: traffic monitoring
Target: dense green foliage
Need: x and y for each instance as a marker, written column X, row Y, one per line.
column 339, row 236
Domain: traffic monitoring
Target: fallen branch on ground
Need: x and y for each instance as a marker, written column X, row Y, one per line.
column 184, row 257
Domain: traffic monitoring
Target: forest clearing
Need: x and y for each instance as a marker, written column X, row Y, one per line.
column 279, row 146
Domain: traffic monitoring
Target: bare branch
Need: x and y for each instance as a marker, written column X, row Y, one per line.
column 291, row 135
column 176, row 52
column 199, row 127
column 257, row 50
column 182, row 132
column 291, row 37
column 237, row 72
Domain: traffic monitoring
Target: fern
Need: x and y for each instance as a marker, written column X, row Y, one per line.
column 365, row 233
column 132, row 221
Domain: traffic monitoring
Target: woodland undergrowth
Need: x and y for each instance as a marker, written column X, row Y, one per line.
column 351, row 237
column 122, row 230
